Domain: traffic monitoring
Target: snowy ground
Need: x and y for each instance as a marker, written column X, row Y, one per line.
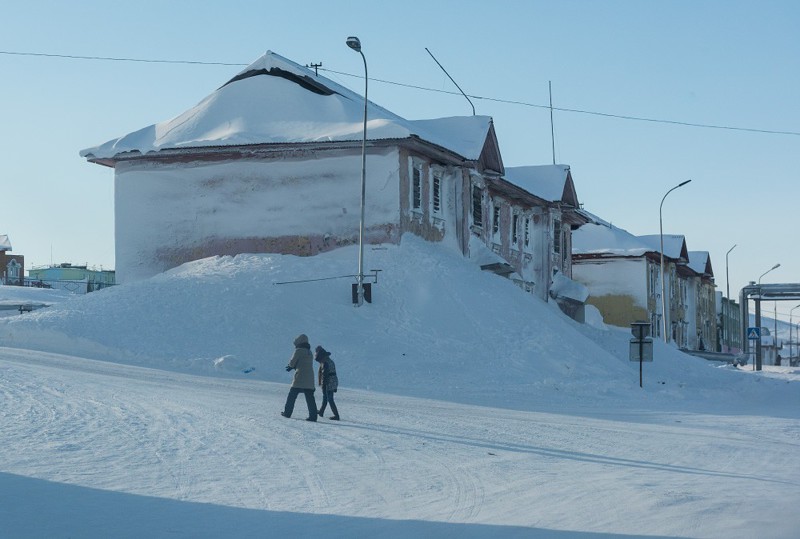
column 469, row 410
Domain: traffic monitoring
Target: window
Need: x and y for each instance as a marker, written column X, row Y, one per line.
column 416, row 195
column 527, row 233
column 437, row 194
column 495, row 219
column 654, row 281
column 13, row 270
column 477, row 206
column 557, row 235
column 514, row 229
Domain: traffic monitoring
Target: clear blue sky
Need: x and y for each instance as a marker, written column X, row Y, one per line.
column 726, row 63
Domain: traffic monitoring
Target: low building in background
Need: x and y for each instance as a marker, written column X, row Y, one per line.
column 75, row 279
column 623, row 275
column 729, row 325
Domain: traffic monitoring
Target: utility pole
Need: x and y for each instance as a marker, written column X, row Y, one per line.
column 315, row 66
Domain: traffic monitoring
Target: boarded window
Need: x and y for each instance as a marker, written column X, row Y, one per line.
column 527, row 237
column 515, row 229
column 437, row 194
column 557, row 235
column 416, row 195
column 477, row 206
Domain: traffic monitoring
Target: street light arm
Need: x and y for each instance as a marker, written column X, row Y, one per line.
column 671, row 190
column 776, row 266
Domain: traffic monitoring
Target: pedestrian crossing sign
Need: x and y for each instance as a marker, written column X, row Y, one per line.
column 753, row 333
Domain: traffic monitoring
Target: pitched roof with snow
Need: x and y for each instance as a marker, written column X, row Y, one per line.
column 5, row 243
column 700, row 263
column 674, row 245
column 552, row 183
column 607, row 240
column 275, row 100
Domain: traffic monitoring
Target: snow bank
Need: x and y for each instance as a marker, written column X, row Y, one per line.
column 438, row 327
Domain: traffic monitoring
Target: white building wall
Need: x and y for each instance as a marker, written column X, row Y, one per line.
column 614, row 277
column 167, row 214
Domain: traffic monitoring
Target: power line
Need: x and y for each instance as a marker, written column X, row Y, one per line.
column 579, row 111
column 113, row 59
column 426, row 89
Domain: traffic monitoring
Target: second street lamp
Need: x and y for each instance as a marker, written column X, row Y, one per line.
column 757, row 365
column 726, row 305
column 663, row 287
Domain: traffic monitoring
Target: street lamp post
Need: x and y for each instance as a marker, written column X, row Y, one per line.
column 663, row 286
column 355, row 44
column 757, row 365
column 790, row 332
column 727, row 305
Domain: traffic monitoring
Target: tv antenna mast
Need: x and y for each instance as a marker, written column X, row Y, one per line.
column 454, row 82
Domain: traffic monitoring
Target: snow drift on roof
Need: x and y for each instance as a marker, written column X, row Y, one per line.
column 674, row 244
column 607, row 240
column 275, row 100
column 545, row 181
column 699, row 262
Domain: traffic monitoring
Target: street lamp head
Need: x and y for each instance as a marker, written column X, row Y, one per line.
column 354, row 43
column 776, row 266
column 684, row 183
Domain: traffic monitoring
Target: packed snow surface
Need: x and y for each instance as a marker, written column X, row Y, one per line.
column 469, row 409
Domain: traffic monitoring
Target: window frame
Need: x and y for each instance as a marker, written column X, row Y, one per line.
column 416, row 187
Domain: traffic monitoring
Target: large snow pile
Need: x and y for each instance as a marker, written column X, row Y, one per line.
column 438, row 327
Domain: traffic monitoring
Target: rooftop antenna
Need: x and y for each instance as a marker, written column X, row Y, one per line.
column 552, row 130
column 451, row 78
column 315, row 66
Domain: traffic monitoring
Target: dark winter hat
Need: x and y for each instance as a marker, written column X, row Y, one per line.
column 321, row 352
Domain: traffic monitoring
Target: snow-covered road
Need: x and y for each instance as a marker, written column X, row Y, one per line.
column 135, row 452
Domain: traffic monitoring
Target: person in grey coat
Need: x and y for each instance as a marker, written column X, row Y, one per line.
column 328, row 380
column 303, row 381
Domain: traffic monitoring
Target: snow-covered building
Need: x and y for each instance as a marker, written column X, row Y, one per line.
column 12, row 266
column 623, row 275
column 676, row 256
column 729, row 324
column 533, row 213
column 701, row 311
column 271, row 162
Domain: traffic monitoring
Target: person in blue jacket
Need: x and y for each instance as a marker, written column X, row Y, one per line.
column 327, row 379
